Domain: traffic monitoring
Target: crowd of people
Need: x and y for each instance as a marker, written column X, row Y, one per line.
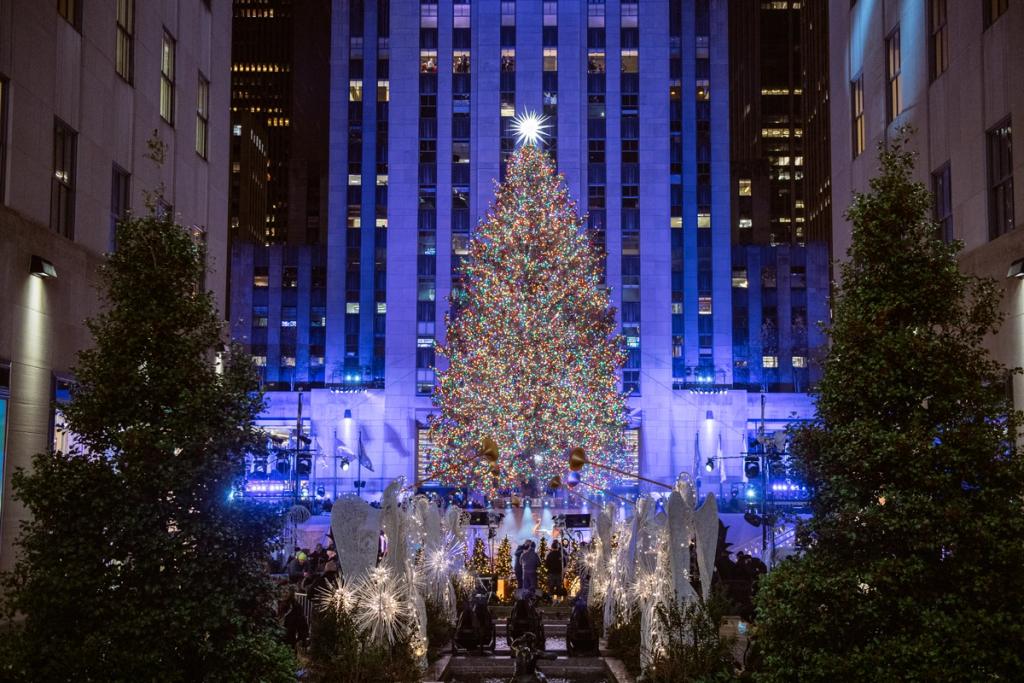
column 300, row 575
column 526, row 566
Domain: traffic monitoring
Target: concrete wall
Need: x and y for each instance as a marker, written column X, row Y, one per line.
column 951, row 114
column 55, row 70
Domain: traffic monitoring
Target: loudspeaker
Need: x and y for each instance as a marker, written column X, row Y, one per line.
column 577, row 521
column 478, row 519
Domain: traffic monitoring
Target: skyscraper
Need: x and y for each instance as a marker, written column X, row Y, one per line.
column 950, row 70
column 636, row 95
column 85, row 88
column 279, row 98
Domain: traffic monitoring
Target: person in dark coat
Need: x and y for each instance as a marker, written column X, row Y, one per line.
column 530, row 562
column 554, row 565
column 517, row 567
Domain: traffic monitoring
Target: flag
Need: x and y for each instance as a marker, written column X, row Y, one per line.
column 364, row 460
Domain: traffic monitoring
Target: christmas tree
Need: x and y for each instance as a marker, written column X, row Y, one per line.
column 503, row 559
column 914, row 554
column 479, row 561
column 532, row 353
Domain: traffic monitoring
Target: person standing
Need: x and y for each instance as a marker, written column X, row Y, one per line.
column 517, row 567
column 530, row 562
column 554, row 563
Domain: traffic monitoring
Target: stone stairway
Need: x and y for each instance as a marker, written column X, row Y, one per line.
column 473, row 667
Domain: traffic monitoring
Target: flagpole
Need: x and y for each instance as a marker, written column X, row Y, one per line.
column 359, row 469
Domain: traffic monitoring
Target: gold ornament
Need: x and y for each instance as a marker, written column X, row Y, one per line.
column 488, row 450
column 577, row 459
column 556, row 482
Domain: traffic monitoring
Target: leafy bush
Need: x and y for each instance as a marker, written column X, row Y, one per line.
column 694, row 649
column 134, row 564
column 340, row 653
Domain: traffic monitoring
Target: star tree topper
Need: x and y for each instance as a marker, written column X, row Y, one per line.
column 530, row 128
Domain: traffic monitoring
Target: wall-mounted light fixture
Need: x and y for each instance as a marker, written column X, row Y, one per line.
column 42, row 268
column 1016, row 269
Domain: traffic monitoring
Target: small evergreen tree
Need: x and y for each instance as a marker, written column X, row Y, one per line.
column 135, row 564
column 503, row 559
column 914, row 560
column 478, row 561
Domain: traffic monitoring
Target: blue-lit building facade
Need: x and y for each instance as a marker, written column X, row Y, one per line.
column 421, row 100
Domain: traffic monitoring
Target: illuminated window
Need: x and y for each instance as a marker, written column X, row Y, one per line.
column 167, row 49
column 71, row 10
column 428, row 15
column 744, row 187
column 595, row 62
column 739, row 278
column 202, row 115
column 260, row 277
column 769, row 361
column 857, row 104
column 703, row 220
column 508, row 13
column 62, row 189
column 551, row 59
column 124, row 47
column 704, row 305
column 355, row 91
column 550, row 13
column 461, row 12
column 995, row 9
column 939, row 38
column 892, row 73
column 352, row 307
column 1000, row 178
column 460, row 62
column 428, row 61
column 287, row 361
column 799, row 361
column 630, row 14
column 630, row 59
column 703, row 90
column 508, row 60
column 259, row 361
column 259, row 316
column 383, row 91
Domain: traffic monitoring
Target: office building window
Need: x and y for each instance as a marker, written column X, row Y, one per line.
column 939, row 38
column 120, row 201
column 857, row 104
column 1000, row 179
column 71, row 10
column 202, row 115
column 943, row 195
column 167, row 78
column 62, row 189
column 124, row 48
column 4, row 90
column 892, row 75
column 995, row 9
